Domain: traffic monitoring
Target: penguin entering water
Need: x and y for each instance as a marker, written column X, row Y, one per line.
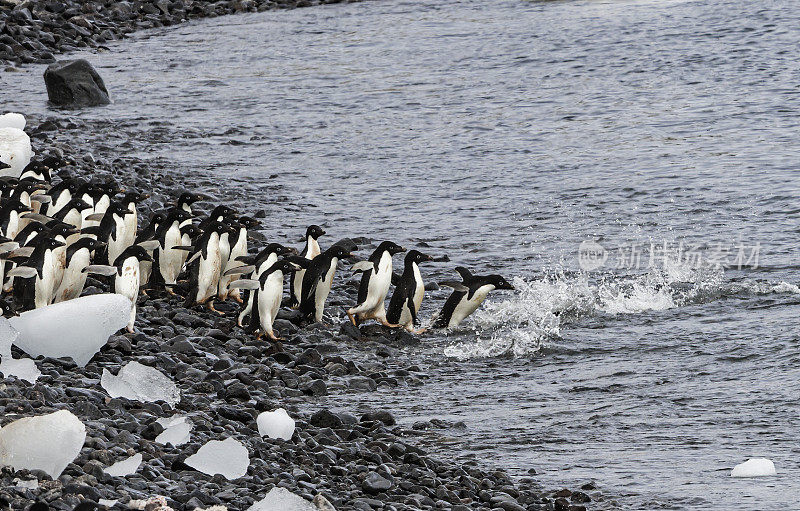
column 375, row 281
column 408, row 294
column 204, row 267
column 256, row 266
column 33, row 282
column 310, row 251
column 126, row 275
column 168, row 260
column 79, row 257
column 318, row 280
column 238, row 248
column 467, row 296
column 268, row 291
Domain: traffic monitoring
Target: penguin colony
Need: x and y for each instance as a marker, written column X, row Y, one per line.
column 54, row 236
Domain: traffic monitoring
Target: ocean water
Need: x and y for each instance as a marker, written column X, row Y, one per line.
column 631, row 165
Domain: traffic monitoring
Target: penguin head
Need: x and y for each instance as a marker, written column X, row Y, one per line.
column 191, row 230
column 248, row 222
column 16, row 205
column 50, row 243
column 89, row 189
column 7, row 185
column 77, row 204
column 119, row 209
column 133, row 251
column 415, row 256
column 157, row 218
column 134, row 197
column 314, row 231
column 28, row 186
column 177, row 215
column 109, row 187
column 339, row 252
column 391, row 247
column 89, row 243
column 220, row 228
column 499, row 282
column 57, row 227
column 189, row 198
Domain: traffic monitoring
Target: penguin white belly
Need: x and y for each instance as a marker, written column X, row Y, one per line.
column 467, row 306
column 74, row 278
column 323, row 290
column 256, row 275
column 99, row 208
column 43, row 288
column 73, row 217
column 127, row 284
column 224, row 254
column 169, row 260
column 13, row 227
column 129, row 226
column 378, row 288
column 239, row 249
column 208, row 271
column 269, row 301
column 59, row 203
column 59, row 266
column 117, row 246
column 406, row 319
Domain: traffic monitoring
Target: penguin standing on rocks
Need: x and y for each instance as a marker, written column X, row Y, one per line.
column 169, row 255
column 408, row 294
column 33, row 282
column 375, row 281
column 110, row 231
column 238, row 248
column 79, row 257
column 467, row 296
column 61, row 194
column 131, row 200
column 310, row 251
column 126, row 272
column 11, row 211
column 268, row 291
column 318, row 280
column 256, row 266
column 204, row 267
column 73, row 212
column 146, row 235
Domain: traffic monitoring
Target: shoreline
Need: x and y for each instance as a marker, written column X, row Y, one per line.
column 37, row 31
column 331, row 453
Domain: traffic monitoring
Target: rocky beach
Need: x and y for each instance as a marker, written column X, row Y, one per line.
column 360, row 460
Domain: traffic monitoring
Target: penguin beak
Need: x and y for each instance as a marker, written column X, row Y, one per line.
column 99, row 245
column 147, row 257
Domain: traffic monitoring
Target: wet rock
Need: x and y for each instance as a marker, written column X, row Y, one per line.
column 379, row 416
column 75, row 84
column 375, row 483
column 326, row 419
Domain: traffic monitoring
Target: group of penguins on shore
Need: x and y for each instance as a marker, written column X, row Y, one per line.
column 53, row 236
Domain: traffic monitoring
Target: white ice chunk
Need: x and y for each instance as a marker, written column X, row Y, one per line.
column 76, row 328
column 275, row 424
column 176, row 430
column 754, row 467
column 281, row 499
column 12, row 120
column 24, row 368
column 15, row 151
column 107, row 502
column 140, row 382
column 125, row 467
column 228, row 457
column 30, row 484
column 47, row 442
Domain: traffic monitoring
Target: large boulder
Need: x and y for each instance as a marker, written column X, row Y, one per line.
column 75, row 84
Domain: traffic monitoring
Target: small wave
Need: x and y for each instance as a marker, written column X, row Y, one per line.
column 521, row 325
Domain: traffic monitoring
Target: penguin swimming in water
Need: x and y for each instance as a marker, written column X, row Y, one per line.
column 256, row 266
column 408, row 294
column 268, row 291
column 204, row 267
column 238, row 248
column 318, row 280
column 33, row 282
column 310, row 251
column 375, row 281
column 79, row 257
column 126, row 272
column 467, row 296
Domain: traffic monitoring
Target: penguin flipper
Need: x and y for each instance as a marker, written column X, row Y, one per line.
column 149, row 244
column 244, row 284
column 187, row 248
column 194, row 257
column 95, row 217
column 24, row 272
column 238, row 270
column 36, row 217
column 458, row 286
column 466, row 276
column 362, row 266
column 19, row 252
column 101, row 269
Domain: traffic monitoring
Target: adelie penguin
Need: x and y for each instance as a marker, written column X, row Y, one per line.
column 11, row 211
column 204, row 267
column 111, row 230
column 238, row 248
column 169, row 256
column 185, row 201
column 73, row 212
column 61, row 194
column 126, row 275
column 34, row 282
column 267, row 292
column 318, row 280
column 467, row 296
column 408, row 294
column 131, row 201
column 375, row 281
column 146, row 236
column 255, row 266
column 79, row 257
column 310, row 251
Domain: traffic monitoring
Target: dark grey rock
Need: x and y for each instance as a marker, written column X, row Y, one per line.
column 75, row 84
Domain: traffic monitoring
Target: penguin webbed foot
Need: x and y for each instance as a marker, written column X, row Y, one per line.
column 210, row 306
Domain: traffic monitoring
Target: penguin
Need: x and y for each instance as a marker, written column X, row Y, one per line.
column 238, row 248
column 375, row 281
column 204, row 267
column 310, row 251
column 61, row 193
column 408, row 294
column 88, row 192
column 11, row 211
column 467, row 296
column 111, row 231
column 33, row 282
column 73, row 212
column 131, row 200
column 168, row 260
column 145, row 235
column 268, row 291
column 318, row 280
column 224, row 254
column 61, row 232
column 102, row 196
column 126, row 275
column 189, row 233
column 185, row 201
column 7, row 184
column 218, row 214
column 78, row 257
column 256, row 266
